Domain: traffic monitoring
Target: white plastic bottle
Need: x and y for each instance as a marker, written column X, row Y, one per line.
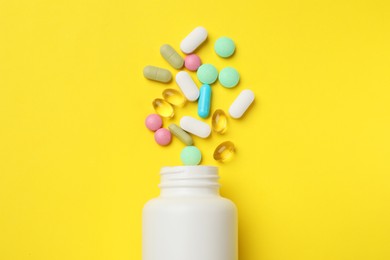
column 189, row 220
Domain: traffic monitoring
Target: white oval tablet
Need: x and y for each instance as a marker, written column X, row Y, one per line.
column 195, row 126
column 187, row 86
column 193, row 40
column 241, row 103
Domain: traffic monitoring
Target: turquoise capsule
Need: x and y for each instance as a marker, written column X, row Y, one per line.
column 204, row 101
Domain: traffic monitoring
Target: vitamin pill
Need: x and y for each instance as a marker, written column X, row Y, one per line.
column 204, row 101
column 192, row 62
column 224, row 152
column 224, row 47
column 174, row 97
column 162, row 136
column 187, row 86
column 153, row 122
column 195, row 126
column 219, row 121
column 171, row 56
column 157, row 74
column 180, row 134
column 241, row 103
column 163, row 108
column 190, row 155
column 229, row 77
column 193, row 40
column 207, row 74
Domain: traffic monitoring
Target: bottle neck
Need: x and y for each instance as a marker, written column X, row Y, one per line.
column 189, row 181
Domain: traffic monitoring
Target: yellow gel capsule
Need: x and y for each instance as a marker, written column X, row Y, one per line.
column 174, row 97
column 219, row 121
column 163, row 108
column 224, row 152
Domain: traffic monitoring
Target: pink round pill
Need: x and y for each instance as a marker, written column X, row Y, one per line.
column 163, row 136
column 192, row 62
column 153, row 122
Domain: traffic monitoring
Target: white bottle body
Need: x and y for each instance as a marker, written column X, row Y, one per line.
column 190, row 223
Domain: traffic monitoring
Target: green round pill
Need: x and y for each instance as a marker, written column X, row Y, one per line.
column 207, row 74
column 224, row 47
column 229, row 77
column 190, row 155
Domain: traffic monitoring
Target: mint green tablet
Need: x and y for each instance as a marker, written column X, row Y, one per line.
column 207, row 74
column 190, row 155
column 229, row 77
column 224, row 47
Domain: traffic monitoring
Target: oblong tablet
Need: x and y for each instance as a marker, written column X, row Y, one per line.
column 195, row 127
column 193, row 40
column 171, row 56
column 180, row 134
column 157, row 74
column 187, row 86
column 241, row 103
column 204, row 101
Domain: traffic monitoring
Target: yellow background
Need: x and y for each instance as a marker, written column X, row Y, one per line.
column 311, row 177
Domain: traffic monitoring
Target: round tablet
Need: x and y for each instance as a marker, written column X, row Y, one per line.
column 190, row 155
column 229, row 77
column 207, row 74
column 163, row 136
column 153, row 122
column 224, row 47
column 192, row 62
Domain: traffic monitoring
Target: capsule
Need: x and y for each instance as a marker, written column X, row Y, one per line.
column 174, row 97
column 219, row 121
column 224, row 152
column 180, row 134
column 157, row 74
column 241, row 103
column 187, row 86
column 195, row 126
column 171, row 56
column 204, row 101
column 163, row 108
column 193, row 40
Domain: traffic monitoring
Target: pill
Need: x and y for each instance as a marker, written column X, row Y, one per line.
column 162, row 136
column 163, row 108
column 190, row 155
column 229, row 77
column 180, row 134
column 174, row 97
column 157, row 74
column 219, row 121
column 187, row 86
column 193, row 40
column 224, row 47
column 204, row 101
column 192, row 62
column 195, row 126
column 153, row 122
column 171, row 56
column 241, row 103
column 224, row 152
column 207, row 74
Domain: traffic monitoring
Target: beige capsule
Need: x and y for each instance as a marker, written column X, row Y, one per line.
column 157, row 74
column 171, row 56
column 181, row 134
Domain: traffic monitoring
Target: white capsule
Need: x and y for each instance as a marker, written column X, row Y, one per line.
column 195, row 127
column 193, row 40
column 187, row 86
column 241, row 103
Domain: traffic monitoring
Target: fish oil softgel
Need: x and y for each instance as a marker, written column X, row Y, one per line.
column 224, row 152
column 163, row 108
column 219, row 121
column 174, row 97
column 195, row 80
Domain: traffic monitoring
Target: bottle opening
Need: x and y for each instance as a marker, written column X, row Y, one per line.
column 189, row 176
